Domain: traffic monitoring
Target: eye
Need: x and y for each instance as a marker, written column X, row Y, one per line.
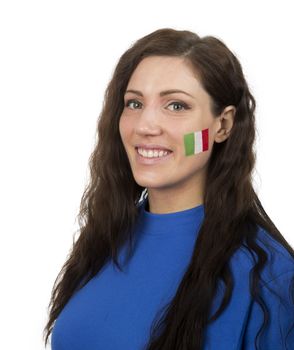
column 129, row 102
column 182, row 105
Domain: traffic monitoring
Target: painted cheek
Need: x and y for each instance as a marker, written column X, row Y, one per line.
column 196, row 142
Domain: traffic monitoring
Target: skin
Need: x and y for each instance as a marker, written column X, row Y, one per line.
column 178, row 183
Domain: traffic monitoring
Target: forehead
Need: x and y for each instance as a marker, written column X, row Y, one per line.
column 159, row 72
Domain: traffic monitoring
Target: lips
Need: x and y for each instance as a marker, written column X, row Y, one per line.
column 155, row 152
column 152, row 147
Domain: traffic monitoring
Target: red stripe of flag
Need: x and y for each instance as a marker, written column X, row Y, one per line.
column 205, row 139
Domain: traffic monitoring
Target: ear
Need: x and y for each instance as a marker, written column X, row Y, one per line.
column 224, row 124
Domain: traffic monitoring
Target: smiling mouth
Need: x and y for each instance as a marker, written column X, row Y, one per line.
column 152, row 154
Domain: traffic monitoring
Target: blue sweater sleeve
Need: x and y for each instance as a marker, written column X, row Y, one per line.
column 239, row 324
column 279, row 330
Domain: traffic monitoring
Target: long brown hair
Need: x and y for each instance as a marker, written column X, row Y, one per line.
column 233, row 211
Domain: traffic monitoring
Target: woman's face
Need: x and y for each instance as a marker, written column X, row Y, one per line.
column 152, row 118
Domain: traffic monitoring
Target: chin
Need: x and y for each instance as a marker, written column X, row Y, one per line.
column 156, row 183
column 141, row 181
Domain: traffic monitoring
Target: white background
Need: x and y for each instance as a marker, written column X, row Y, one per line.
column 56, row 58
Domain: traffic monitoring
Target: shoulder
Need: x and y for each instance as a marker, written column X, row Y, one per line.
column 279, row 266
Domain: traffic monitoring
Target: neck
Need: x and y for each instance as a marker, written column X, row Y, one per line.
column 166, row 202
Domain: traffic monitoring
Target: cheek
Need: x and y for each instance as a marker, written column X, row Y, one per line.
column 124, row 127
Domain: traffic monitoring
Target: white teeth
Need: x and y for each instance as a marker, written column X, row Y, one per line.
column 152, row 153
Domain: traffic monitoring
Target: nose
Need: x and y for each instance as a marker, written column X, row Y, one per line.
column 148, row 122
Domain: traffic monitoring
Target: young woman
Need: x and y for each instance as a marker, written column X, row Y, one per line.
column 175, row 249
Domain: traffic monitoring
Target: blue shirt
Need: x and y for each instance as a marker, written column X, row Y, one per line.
column 115, row 310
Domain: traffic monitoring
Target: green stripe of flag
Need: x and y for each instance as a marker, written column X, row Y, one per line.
column 189, row 140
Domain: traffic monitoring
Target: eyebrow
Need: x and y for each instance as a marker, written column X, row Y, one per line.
column 162, row 93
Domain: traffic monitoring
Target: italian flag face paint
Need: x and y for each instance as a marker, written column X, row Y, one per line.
column 196, row 142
